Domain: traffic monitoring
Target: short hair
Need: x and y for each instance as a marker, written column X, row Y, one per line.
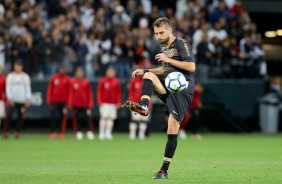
column 163, row 21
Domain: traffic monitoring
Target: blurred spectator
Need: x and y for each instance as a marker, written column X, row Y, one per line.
column 218, row 31
column 18, row 90
column 204, row 59
column 2, row 53
column 57, row 96
column 109, row 100
column 237, row 8
column 119, row 18
column 87, row 15
column 94, row 51
column 80, row 100
column 18, row 29
column 25, row 25
column 141, row 19
column 221, row 11
column 81, row 51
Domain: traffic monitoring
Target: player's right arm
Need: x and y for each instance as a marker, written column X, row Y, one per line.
column 140, row 72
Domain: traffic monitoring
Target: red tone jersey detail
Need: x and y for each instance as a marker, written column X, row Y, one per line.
column 58, row 89
column 109, row 91
column 80, row 94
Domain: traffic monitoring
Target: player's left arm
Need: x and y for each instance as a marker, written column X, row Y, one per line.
column 187, row 61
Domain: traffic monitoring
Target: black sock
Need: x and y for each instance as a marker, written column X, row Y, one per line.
column 169, row 150
column 147, row 91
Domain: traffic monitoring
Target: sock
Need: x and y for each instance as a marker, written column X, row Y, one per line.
column 169, row 150
column 132, row 129
column 109, row 127
column 142, row 129
column 146, row 92
column 102, row 127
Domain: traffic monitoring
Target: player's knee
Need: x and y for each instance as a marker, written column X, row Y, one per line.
column 149, row 75
column 172, row 130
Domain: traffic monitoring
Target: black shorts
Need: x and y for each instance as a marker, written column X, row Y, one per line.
column 177, row 104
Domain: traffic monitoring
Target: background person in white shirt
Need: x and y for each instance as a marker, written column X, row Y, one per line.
column 18, row 91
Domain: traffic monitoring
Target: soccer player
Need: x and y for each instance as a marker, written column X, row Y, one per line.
column 2, row 99
column 136, row 119
column 18, row 91
column 81, row 102
column 57, row 96
column 176, row 56
column 109, row 100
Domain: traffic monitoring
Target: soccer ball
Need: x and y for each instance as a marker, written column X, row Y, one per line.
column 175, row 82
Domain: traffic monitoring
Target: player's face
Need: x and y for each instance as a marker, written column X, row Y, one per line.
column 79, row 73
column 163, row 34
column 18, row 68
column 111, row 72
column 62, row 70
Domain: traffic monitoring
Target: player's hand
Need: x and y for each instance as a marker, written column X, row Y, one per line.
column 23, row 109
column 162, row 57
column 137, row 72
column 88, row 112
column 26, row 104
column 11, row 103
column 65, row 110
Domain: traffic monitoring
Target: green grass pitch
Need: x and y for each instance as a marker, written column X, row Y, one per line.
column 218, row 158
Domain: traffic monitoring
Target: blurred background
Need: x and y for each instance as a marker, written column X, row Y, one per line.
column 237, row 45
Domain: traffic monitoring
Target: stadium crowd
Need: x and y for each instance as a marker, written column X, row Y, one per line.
column 44, row 35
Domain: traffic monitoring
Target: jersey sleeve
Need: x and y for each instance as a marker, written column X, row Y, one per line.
column 185, row 50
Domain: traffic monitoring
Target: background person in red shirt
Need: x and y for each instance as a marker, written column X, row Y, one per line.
column 3, row 98
column 81, row 102
column 135, row 95
column 192, row 116
column 109, row 100
column 57, row 96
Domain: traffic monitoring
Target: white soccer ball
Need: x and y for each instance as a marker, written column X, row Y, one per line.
column 175, row 82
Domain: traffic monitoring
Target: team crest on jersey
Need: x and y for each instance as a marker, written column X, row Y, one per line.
column 75, row 86
column 106, row 85
column 56, row 82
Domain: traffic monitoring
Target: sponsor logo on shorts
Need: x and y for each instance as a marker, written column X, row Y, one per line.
column 175, row 112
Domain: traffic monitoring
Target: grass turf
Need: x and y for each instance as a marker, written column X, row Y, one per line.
column 218, row 158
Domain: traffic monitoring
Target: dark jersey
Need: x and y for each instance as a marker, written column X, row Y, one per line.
column 179, row 50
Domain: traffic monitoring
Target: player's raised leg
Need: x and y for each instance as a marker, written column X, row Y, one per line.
column 150, row 83
column 172, row 131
